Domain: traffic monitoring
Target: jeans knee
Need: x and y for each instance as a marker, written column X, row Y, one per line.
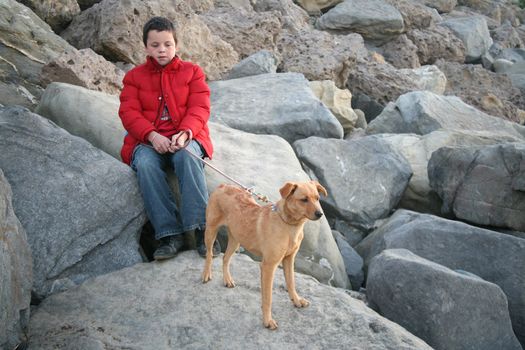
column 146, row 165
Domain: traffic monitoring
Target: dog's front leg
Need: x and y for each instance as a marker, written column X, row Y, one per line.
column 267, row 275
column 288, row 268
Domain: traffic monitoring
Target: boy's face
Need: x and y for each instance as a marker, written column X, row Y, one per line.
column 161, row 46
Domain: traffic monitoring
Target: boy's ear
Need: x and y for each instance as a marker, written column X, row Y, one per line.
column 287, row 189
column 320, row 188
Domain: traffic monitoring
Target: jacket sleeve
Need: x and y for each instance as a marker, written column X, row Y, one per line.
column 198, row 104
column 130, row 111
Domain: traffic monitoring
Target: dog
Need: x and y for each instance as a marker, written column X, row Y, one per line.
column 273, row 232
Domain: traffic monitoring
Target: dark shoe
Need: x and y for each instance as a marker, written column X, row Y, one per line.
column 169, row 247
column 201, row 246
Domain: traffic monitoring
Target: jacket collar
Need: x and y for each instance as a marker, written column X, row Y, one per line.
column 152, row 64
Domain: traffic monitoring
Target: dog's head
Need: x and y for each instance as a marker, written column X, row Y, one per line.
column 302, row 199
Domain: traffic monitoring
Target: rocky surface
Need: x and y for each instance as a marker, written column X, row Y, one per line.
column 165, row 305
column 16, row 272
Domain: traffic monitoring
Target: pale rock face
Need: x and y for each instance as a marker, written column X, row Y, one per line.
column 84, row 68
column 339, row 102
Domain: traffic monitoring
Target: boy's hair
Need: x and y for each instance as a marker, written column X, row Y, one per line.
column 159, row 24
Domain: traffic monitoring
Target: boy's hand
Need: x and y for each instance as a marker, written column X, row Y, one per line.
column 179, row 140
column 160, row 143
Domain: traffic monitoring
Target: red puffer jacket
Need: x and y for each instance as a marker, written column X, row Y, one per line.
column 179, row 84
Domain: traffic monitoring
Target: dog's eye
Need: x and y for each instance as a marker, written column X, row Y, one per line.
column 304, row 200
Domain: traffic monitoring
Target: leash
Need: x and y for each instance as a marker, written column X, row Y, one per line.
column 250, row 190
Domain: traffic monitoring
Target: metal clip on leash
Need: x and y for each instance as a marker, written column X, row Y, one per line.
column 250, row 190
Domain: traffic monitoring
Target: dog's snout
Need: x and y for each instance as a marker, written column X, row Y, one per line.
column 318, row 214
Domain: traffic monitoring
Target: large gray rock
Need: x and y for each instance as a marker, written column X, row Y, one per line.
column 365, row 178
column 16, row 272
column 236, row 153
column 165, row 306
column 447, row 309
column 482, row 185
column 415, row 15
column 81, row 209
column 474, row 33
column 440, row 5
column 260, row 62
column 373, row 19
column 353, row 261
column 92, row 115
column 27, row 43
column 493, row 256
column 280, row 104
column 417, row 150
column 239, row 155
column 421, row 112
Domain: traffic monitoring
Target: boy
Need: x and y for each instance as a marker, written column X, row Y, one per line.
column 165, row 103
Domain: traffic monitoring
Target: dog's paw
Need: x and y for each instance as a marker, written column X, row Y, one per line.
column 229, row 283
column 270, row 324
column 206, row 277
column 301, row 302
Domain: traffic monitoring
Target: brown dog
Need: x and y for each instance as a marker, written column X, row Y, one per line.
column 273, row 232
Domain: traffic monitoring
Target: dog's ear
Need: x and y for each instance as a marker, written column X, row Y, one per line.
column 287, row 189
column 320, row 188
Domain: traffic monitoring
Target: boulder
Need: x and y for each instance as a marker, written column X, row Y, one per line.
column 437, row 42
column 421, row 112
column 338, row 101
column 57, row 14
column 417, row 150
column 81, row 209
column 415, row 15
column 306, row 52
column 236, row 153
column 239, row 155
column 384, row 83
column 28, row 43
column 362, row 188
column 84, row 68
column 494, row 93
column 165, row 305
column 16, row 272
column 283, row 104
column 246, row 31
column 373, row 19
column 448, row 309
column 493, row 256
column 261, row 62
column 482, row 185
column 113, row 29
column 474, row 33
column 292, row 17
column 401, row 52
column 353, row 261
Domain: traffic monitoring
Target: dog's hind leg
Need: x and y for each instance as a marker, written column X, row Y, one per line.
column 213, row 222
column 233, row 245
column 288, row 268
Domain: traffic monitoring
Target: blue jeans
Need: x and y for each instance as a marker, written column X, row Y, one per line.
column 167, row 219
